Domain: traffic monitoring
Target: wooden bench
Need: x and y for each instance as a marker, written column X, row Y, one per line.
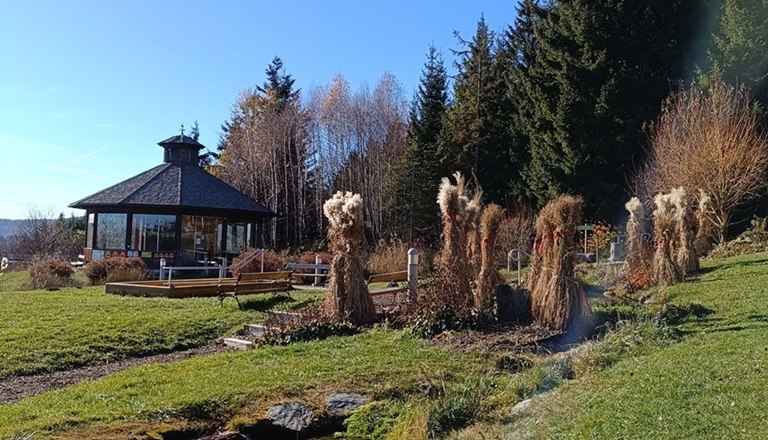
column 391, row 277
column 253, row 282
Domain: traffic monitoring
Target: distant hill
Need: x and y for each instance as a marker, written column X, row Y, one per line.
column 9, row 227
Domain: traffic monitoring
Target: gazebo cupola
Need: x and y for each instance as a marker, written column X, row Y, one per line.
column 181, row 148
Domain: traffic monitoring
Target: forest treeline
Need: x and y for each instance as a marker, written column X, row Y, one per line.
column 558, row 102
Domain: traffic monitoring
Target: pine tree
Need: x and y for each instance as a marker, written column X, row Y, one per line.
column 414, row 180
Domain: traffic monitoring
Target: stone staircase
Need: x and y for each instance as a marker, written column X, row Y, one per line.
column 253, row 332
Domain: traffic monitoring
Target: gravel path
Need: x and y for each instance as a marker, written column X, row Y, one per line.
column 13, row 389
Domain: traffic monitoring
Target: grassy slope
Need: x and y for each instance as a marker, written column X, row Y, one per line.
column 710, row 385
column 43, row 331
column 380, row 363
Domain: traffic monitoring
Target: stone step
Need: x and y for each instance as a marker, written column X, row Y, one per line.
column 282, row 317
column 257, row 330
column 240, row 344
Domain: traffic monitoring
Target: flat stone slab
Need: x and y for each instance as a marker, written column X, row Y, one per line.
column 340, row 404
column 240, row 344
column 257, row 330
column 294, row 416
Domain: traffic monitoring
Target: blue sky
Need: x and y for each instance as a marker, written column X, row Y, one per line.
column 88, row 88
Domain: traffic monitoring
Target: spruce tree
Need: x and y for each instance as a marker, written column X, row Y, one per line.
column 414, row 180
column 601, row 70
column 477, row 138
column 740, row 50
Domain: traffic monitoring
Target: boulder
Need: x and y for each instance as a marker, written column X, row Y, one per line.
column 513, row 305
column 292, row 415
column 340, row 404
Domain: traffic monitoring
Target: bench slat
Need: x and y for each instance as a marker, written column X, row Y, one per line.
column 388, row 291
column 392, row 276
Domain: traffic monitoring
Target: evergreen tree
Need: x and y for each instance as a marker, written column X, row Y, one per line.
column 477, row 138
column 740, row 49
column 414, row 180
column 279, row 85
column 601, row 70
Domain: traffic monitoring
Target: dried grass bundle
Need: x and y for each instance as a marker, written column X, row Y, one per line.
column 557, row 299
column 666, row 272
column 704, row 227
column 489, row 276
column 544, row 229
column 474, row 215
column 454, row 266
column 635, row 229
column 348, row 296
column 637, row 256
column 685, row 255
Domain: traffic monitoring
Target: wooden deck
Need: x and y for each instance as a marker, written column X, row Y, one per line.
column 203, row 287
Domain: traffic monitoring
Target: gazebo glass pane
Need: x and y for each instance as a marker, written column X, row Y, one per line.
column 237, row 238
column 110, row 231
column 89, row 231
column 200, row 236
column 153, row 233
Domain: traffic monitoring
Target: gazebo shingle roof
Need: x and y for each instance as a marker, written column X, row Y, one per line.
column 174, row 184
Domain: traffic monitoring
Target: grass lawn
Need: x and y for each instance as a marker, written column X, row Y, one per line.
column 712, row 384
column 709, row 382
column 382, row 363
column 44, row 331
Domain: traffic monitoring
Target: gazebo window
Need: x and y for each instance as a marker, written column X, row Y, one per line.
column 110, row 231
column 237, row 237
column 89, row 230
column 153, row 233
column 200, row 236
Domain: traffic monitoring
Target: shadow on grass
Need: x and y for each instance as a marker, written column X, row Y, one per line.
column 262, row 303
column 734, row 265
column 677, row 314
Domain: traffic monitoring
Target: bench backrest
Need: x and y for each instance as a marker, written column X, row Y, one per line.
column 259, row 276
column 387, row 277
column 307, row 266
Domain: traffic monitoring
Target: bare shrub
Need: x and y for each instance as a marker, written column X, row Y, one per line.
column 116, row 269
column 49, row 273
column 708, row 140
column 515, row 232
column 43, row 234
column 273, row 261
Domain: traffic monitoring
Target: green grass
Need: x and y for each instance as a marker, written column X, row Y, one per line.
column 43, row 331
column 380, row 363
column 712, row 384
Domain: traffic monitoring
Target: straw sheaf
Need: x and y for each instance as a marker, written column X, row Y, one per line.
column 343, row 210
column 635, row 208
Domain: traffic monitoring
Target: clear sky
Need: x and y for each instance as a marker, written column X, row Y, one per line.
column 88, row 88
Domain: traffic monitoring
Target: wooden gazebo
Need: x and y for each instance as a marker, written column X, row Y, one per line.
column 176, row 210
